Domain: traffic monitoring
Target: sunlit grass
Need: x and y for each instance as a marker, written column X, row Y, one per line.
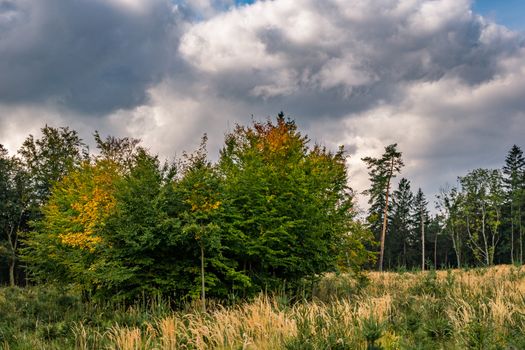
column 458, row 309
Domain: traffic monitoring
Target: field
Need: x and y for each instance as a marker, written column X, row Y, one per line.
column 457, row 309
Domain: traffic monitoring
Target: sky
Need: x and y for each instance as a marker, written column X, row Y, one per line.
column 442, row 78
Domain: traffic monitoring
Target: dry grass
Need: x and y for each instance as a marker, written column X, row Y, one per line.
column 467, row 303
column 458, row 309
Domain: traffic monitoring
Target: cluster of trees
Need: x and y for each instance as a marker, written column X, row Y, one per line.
column 484, row 214
column 272, row 210
column 119, row 223
column 480, row 221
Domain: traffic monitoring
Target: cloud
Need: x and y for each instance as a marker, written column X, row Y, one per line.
column 431, row 75
column 92, row 56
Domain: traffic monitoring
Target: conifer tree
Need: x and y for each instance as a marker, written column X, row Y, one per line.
column 514, row 180
column 421, row 218
column 382, row 171
column 401, row 225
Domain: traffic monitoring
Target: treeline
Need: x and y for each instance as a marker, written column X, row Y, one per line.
column 272, row 212
column 478, row 222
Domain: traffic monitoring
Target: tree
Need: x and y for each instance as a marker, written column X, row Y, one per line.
column 13, row 208
column 435, row 229
column 421, row 218
column 381, row 172
column 272, row 212
column 400, row 235
column 514, row 181
column 49, row 158
column 201, row 185
column 67, row 243
column 288, row 206
column 482, row 194
column 449, row 203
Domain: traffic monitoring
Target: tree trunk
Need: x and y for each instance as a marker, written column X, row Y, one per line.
column 435, row 251
column 203, row 299
column 12, row 271
column 512, row 217
column 521, row 237
column 404, row 252
column 385, row 217
column 455, row 245
column 484, row 234
column 422, row 240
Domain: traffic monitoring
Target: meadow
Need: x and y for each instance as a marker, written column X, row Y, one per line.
column 480, row 308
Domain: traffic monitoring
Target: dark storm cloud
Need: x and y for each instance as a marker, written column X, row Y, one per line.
column 91, row 56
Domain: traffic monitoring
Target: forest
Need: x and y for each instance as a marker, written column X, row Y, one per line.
column 275, row 214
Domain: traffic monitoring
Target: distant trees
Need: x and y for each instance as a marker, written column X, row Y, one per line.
column 26, row 181
column 479, row 221
column 408, row 227
column 449, row 206
column 401, row 242
column 13, row 208
column 483, row 214
column 482, row 201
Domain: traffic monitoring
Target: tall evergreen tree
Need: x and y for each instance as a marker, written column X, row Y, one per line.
column 514, row 180
column 382, row 171
column 421, row 218
column 399, row 239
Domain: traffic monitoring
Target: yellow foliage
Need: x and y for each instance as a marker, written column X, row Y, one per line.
column 89, row 198
column 275, row 138
column 206, row 206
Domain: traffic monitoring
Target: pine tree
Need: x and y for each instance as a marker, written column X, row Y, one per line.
column 514, row 180
column 398, row 241
column 421, row 217
column 381, row 172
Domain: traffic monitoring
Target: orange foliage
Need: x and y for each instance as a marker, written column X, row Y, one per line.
column 275, row 138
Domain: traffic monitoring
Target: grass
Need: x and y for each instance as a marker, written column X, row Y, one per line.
column 459, row 309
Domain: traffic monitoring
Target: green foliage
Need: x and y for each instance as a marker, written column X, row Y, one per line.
column 288, row 207
column 391, row 312
column 272, row 212
column 13, row 209
column 381, row 172
column 49, row 158
column 481, row 205
column 372, row 330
